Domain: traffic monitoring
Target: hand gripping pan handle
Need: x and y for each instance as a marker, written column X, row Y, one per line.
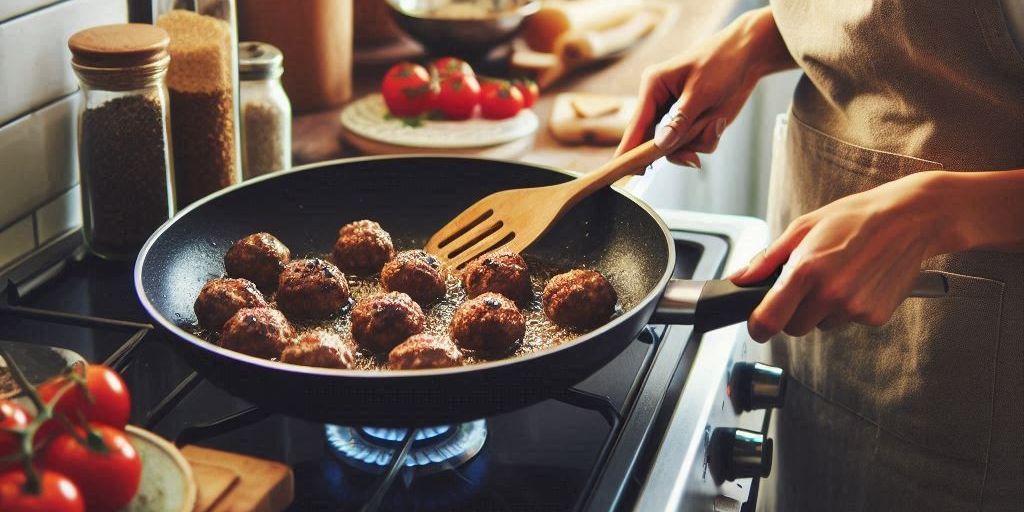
column 709, row 305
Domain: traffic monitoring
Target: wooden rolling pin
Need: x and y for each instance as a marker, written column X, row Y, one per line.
column 579, row 47
column 557, row 17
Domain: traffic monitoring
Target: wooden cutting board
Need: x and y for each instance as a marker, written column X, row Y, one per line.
column 229, row 482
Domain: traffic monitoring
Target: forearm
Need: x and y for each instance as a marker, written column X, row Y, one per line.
column 980, row 210
column 758, row 34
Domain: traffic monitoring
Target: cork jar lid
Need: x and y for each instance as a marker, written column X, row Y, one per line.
column 119, row 46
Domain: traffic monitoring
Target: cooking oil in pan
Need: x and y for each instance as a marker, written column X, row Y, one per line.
column 541, row 332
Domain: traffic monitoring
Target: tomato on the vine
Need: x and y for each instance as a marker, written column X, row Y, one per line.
column 458, row 97
column 408, row 90
column 500, row 100
column 56, row 493
column 107, row 400
column 529, row 90
column 105, row 467
column 451, row 66
column 12, row 417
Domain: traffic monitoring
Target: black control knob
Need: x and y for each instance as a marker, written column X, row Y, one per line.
column 738, row 453
column 757, row 386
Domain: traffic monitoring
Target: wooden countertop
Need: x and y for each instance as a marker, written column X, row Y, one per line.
column 317, row 136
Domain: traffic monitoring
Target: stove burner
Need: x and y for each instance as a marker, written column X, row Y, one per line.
column 434, row 449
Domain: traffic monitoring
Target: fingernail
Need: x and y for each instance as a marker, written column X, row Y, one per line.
column 719, row 127
column 692, row 161
column 666, row 137
column 739, row 272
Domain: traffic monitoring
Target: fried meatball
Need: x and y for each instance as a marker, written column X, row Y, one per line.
column 579, row 299
column 382, row 321
column 222, row 297
column 501, row 272
column 321, row 349
column 363, row 247
column 415, row 273
column 261, row 332
column 490, row 323
column 259, row 258
column 312, row 289
column 425, row 351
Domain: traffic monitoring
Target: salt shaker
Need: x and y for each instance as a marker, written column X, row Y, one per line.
column 123, row 154
column 203, row 85
column 266, row 111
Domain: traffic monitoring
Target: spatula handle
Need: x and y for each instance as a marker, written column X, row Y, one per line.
column 619, row 167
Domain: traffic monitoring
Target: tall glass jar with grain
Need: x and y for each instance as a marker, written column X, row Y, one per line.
column 203, row 84
column 266, row 111
column 123, row 156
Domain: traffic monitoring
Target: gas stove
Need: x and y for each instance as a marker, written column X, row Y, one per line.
column 674, row 422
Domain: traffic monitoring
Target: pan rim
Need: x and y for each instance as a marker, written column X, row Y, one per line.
column 267, row 364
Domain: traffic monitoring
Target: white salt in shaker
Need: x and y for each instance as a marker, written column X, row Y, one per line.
column 266, row 112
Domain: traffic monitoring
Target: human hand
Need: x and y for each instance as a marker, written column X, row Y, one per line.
column 854, row 260
column 711, row 81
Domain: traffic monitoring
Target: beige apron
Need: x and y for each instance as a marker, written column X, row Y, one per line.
column 926, row 412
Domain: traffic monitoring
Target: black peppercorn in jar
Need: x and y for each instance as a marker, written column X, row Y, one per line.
column 123, row 154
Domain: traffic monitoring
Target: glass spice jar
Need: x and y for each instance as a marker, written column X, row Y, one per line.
column 203, row 85
column 266, row 111
column 123, row 156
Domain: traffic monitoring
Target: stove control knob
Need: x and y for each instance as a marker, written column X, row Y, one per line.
column 738, row 453
column 757, row 386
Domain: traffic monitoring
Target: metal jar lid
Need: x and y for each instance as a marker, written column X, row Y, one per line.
column 259, row 61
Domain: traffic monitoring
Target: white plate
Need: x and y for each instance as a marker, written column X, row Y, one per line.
column 167, row 482
column 368, row 118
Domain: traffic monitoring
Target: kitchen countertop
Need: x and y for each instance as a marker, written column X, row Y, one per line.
column 317, row 136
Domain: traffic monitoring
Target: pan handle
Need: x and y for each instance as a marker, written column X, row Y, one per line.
column 709, row 305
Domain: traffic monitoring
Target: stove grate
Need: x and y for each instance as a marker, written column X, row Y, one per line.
column 403, row 439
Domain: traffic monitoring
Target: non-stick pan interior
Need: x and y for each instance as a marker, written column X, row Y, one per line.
column 411, row 198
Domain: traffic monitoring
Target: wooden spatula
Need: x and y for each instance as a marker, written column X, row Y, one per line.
column 513, row 219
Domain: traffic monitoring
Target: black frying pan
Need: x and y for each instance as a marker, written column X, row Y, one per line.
column 412, row 197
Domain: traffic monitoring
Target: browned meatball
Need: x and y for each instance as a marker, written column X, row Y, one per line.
column 312, row 289
column 579, row 299
column 382, row 321
column 261, row 332
column 259, row 258
column 222, row 297
column 415, row 273
column 363, row 247
column 489, row 323
column 321, row 349
column 425, row 351
column 501, row 272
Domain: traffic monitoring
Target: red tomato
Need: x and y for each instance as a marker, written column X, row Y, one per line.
column 12, row 417
column 451, row 66
column 107, row 402
column 56, row 493
column 459, row 96
column 500, row 101
column 529, row 90
column 107, row 476
column 408, row 90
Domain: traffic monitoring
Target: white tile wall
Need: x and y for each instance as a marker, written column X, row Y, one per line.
column 39, row 199
column 37, row 158
column 35, row 64
column 59, row 215
column 12, row 8
column 16, row 240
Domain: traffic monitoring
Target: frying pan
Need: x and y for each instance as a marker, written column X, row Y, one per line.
column 412, row 197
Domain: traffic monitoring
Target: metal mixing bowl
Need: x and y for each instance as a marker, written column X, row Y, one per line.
column 466, row 28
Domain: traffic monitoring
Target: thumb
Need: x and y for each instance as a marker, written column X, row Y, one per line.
column 773, row 257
